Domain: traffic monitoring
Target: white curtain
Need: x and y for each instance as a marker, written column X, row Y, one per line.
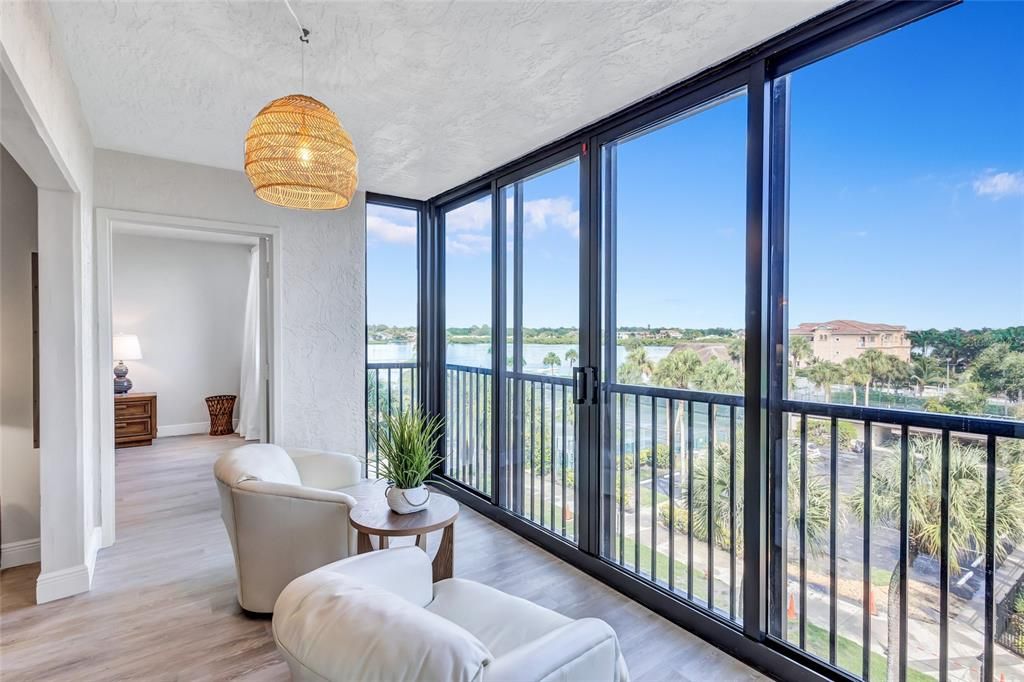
column 250, row 403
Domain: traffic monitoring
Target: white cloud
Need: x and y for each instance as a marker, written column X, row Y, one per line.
column 467, row 228
column 1000, row 185
column 392, row 225
column 543, row 214
column 468, row 244
column 474, row 217
column 390, row 232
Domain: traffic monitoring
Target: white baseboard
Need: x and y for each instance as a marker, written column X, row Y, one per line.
column 165, row 430
column 68, row 582
column 19, row 553
column 63, row 583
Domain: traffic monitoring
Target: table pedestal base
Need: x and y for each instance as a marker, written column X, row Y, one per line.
column 442, row 562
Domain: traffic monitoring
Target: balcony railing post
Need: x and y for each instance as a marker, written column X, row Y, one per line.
column 944, row 561
column 988, row 654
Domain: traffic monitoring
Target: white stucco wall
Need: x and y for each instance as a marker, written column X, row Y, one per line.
column 32, row 59
column 323, row 269
column 185, row 300
column 19, row 459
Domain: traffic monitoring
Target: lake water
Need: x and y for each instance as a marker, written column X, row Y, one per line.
column 478, row 355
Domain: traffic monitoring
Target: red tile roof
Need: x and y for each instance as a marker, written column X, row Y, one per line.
column 847, row 327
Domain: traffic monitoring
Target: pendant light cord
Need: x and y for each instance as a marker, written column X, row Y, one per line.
column 304, row 38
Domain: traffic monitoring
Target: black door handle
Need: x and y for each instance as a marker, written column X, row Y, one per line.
column 584, row 392
column 578, row 397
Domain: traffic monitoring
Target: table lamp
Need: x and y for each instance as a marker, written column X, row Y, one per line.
column 126, row 347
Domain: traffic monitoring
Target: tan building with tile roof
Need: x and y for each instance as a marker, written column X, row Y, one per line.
column 838, row 340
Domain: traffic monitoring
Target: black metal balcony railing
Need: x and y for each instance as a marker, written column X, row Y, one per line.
column 876, row 516
column 468, row 425
column 390, row 388
column 894, row 518
column 676, row 486
column 542, row 451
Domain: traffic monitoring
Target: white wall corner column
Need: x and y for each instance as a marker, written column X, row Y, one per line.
column 67, row 541
column 49, row 137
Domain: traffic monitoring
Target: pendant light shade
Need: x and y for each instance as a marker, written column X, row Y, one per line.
column 297, row 155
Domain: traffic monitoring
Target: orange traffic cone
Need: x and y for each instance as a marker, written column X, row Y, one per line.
column 871, row 602
column 791, row 610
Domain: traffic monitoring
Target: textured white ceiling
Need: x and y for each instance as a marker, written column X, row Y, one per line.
column 433, row 93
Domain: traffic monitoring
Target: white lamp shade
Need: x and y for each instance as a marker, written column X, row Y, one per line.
column 126, row 347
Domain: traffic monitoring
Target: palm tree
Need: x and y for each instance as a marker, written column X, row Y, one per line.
column 824, row 374
column 637, row 367
column 800, row 350
column 718, row 376
column 873, row 364
column 677, row 370
column 925, row 370
column 855, row 374
column 571, row 356
column 551, row 360
column 737, row 348
column 897, row 372
column 818, row 500
column 966, row 509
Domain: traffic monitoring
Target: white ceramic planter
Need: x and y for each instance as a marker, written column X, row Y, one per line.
column 407, row 500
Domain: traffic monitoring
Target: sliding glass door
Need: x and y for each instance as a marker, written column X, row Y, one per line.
column 541, row 233
column 672, row 417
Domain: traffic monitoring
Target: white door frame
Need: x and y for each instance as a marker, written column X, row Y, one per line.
column 106, row 220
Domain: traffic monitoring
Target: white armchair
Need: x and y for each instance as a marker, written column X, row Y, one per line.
column 377, row 616
column 286, row 513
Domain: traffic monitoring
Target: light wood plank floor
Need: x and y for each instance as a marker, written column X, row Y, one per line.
column 163, row 603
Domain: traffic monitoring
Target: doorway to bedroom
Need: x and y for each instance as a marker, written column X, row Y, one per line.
column 189, row 308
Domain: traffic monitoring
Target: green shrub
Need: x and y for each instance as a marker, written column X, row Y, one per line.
column 680, row 519
column 819, row 432
column 663, row 457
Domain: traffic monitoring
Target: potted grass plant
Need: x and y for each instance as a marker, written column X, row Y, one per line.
column 407, row 446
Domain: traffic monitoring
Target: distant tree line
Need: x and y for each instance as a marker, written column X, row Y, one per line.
column 974, row 366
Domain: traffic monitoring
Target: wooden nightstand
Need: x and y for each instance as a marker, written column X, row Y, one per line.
column 134, row 419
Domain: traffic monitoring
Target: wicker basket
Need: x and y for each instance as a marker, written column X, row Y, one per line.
column 221, row 408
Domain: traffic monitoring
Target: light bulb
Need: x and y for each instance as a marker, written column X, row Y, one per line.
column 304, row 153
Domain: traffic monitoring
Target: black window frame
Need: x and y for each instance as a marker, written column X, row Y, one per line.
column 755, row 70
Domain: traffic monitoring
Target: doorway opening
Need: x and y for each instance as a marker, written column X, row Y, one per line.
column 188, row 309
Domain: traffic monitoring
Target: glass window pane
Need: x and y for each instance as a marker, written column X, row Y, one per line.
column 391, row 320
column 468, row 409
column 905, row 245
column 679, row 259
column 391, row 284
column 906, row 218
column 675, row 212
column 541, row 215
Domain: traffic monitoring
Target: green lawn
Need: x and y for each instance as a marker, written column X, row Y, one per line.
column 848, row 653
column 645, row 497
column 700, row 582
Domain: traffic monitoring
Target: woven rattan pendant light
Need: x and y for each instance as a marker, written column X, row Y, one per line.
column 297, row 155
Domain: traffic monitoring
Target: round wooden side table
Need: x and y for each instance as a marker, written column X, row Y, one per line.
column 377, row 519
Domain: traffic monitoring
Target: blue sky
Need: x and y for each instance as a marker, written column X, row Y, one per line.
column 906, row 199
